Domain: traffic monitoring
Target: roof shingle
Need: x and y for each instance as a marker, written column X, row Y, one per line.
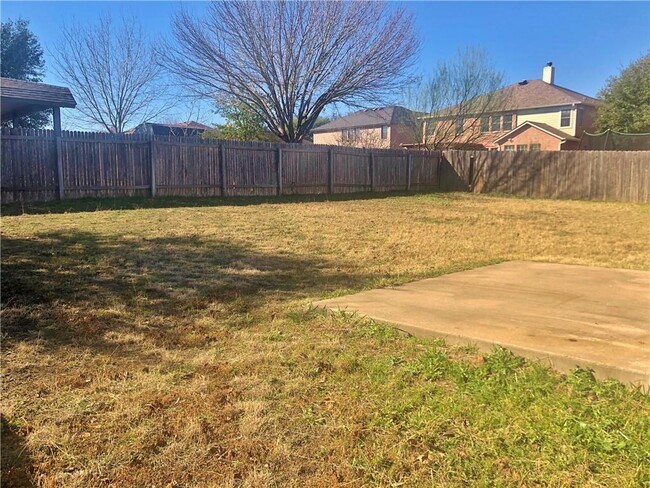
column 371, row 117
column 538, row 93
column 38, row 93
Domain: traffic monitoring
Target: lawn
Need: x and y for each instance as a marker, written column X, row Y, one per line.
column 171, row 343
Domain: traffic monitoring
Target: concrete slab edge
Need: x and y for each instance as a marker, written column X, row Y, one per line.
column 558, row 362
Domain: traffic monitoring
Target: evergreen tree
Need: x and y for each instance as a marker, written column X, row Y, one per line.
column 22, row 59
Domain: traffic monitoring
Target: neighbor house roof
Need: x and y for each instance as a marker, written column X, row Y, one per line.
column 371, row 117
column 563, row 136
column 23, row 97
column 182, row 125
column 528, row 94
column 538, row 93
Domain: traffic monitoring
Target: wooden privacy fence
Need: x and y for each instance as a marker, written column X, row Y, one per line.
column 37, row 166
column 591, row 175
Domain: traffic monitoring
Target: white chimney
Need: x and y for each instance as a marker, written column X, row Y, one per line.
column 549, row 74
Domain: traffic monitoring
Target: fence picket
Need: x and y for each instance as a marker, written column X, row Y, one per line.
column 37, row 166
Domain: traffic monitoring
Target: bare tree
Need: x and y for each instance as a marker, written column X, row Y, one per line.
column 452, row 104
column 113, row 72
column 286, row 61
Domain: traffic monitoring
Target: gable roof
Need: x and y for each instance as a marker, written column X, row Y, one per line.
column 563, row 136
column 371, row 117
column 538, row 93
column 526, row 94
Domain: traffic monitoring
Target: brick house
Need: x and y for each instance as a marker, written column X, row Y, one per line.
column 536, row 115
column 384, row 128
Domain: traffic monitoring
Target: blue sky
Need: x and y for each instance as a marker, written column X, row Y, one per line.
column 586, row 41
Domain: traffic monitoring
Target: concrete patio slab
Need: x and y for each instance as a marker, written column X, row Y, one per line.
column 568, row 315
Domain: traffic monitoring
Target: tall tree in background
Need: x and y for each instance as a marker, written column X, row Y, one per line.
column 449, row 105
column 242, row 124
column 626, row 100
column 113, row 72
column 286, row 61
column 21, row 58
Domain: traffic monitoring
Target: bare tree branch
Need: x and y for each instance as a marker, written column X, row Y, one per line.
column 286, row 61
column 113, row 72
column 453, row 101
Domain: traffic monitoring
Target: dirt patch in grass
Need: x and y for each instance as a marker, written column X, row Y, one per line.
column 171, row 343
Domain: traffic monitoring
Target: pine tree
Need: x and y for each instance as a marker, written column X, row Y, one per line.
column 22, row 59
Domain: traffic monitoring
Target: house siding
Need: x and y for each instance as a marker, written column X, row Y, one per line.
column 327, row 138
column 533, row 135
column 368, row 137
column 550, row 116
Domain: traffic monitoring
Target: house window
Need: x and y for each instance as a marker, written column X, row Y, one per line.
column 496, row 123
column 535, row 147
column 565, row 118
column 344, row 135
column 384, row 132
column 507, row 122
column 460, row 122
column 356, row 133
column 522, row 147
column 509, row 147
column 485, row 124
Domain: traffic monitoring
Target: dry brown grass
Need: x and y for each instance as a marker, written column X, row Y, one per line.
column 175, row 347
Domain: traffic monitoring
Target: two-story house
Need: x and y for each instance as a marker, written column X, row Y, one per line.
column 384, row 128
column 531, row 115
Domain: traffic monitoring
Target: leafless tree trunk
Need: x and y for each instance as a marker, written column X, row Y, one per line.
column 286, row 61
column 451, row 104
column 112, row 71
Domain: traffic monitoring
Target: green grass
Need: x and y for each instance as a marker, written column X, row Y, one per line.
column 171, row 342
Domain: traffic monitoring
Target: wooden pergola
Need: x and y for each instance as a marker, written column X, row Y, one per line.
column 19, row 98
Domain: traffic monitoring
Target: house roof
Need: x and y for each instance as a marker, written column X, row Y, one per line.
column 529, row 94
column 538, row 93
column 370, row 117
column 182, row 125
column 563, row 136
column 23, row 97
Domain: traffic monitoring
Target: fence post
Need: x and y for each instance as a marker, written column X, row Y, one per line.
column 470, row 183
column 409, row 169
column 221, row 155
column 59, row 166
column 56, row 116
column 330, row 170
column 372, row 172
column 152, row 155
column 279, row 170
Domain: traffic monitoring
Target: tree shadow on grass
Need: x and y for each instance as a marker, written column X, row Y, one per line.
column 134, row 203
column 67, row 288
column 17, row 469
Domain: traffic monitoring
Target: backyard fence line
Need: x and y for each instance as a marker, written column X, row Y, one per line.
column 38, row 166
column 622, row 176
